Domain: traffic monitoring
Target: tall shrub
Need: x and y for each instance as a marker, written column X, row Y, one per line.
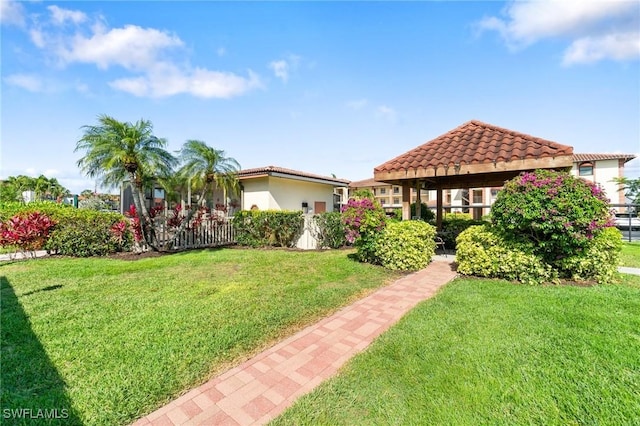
column 363, row 219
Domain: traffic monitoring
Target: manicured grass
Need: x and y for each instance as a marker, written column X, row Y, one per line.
column 630, row 255
column 490, row 352
column 110, row 340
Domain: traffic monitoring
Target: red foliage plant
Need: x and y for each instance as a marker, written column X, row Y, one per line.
column 27, row 231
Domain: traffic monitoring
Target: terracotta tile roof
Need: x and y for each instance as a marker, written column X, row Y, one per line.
column 579, row 158
column 366, row 183
column 474, row 143
column 271, row 170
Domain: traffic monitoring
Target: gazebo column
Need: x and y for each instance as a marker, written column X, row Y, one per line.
column 406, row 201
column 418, row 201
column 439, row 212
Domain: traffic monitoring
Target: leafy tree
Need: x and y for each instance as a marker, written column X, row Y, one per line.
column 631, row 188
column 117, row 151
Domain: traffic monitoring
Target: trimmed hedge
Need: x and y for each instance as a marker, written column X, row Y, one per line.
column 484, row 252
column 406, row 246
column 256, row 228
column 598, row 262
column 78, row 232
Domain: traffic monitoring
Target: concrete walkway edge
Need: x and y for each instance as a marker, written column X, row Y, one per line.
column 261, row 388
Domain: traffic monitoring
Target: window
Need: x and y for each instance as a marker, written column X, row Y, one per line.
column 396, row 200
column 383, row 191
column 396, row 189
column 477, row 196
column 585, row 169
column 447, row 196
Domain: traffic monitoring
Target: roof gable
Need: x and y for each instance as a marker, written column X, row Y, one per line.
column 475, row 142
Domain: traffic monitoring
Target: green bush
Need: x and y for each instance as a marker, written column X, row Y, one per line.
column 91, row 234
column 406, row 246
column 363, row 220
column 331, row 231
column 78, row 232
column 426, row 213
column 256, row 228
column 598, row 262
column 556, row 211
column 484, row 252
column 453, row 224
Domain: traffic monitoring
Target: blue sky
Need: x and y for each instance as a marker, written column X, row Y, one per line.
column 322, row 87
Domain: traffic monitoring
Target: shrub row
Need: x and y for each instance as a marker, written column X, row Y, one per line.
column 77, row 232
column 257, row 228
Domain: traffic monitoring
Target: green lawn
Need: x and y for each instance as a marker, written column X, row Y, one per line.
column 111, row 340
column 488, row 352
column 631, row 255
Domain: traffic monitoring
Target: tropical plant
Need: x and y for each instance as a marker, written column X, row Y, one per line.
column 43, row 187
column 115, row 152
column 631, row 188
column 205, row 168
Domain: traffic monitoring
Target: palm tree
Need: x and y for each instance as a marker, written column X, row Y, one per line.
column 205, row 167
column 117, row 151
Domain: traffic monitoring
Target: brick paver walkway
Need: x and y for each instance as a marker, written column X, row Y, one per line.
column 263, row 387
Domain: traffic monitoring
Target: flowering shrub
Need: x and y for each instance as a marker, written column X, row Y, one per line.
column 27, row 231
column 406, row 246
column 557, row 212
column 363, row 220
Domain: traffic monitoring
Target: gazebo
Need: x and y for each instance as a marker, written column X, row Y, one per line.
column 472, row 155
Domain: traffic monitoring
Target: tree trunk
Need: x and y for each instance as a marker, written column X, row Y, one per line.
column 146, row 223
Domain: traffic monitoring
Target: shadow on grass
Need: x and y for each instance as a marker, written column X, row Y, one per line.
column 32, row 391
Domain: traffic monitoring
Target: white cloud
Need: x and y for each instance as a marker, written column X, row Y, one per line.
column 12, row 13
column 131, row 47
column 622, row 46
column 387, row 113
column 597, row 29
column 28, row 82
column 282, row 68
column 202, row 83
column 60, row 16
column 149, row 55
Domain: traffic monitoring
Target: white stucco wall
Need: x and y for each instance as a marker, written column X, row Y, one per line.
column 603, row 173
column 276, row 193
column 256, row 192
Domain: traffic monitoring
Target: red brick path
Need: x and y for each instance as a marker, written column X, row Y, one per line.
column 263, row 387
